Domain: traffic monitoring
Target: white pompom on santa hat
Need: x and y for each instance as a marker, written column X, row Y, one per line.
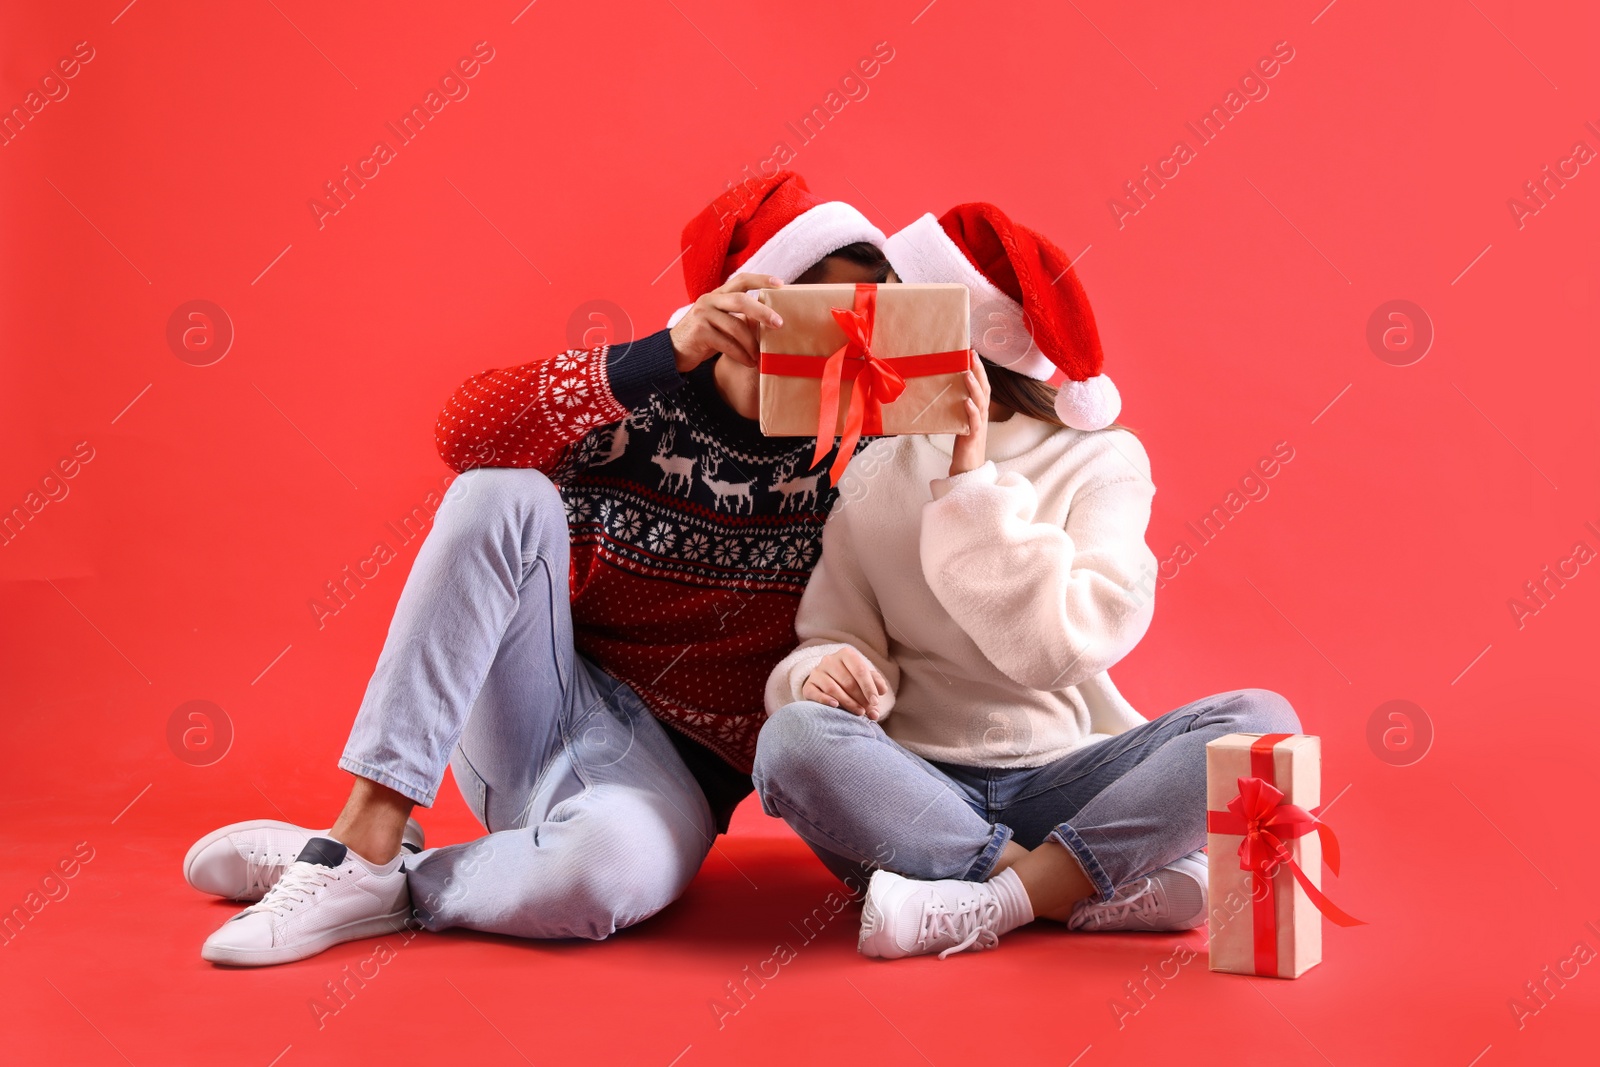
column 775, row 226
column 1029, row 312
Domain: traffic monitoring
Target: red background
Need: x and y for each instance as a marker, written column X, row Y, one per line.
column 1234, row 310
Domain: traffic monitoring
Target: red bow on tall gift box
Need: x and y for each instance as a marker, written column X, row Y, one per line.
column 1283, row 938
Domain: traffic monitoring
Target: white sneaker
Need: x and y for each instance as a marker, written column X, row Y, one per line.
column 323, row 898
column 904, row 917
column 242, row 860
column 1173, row 898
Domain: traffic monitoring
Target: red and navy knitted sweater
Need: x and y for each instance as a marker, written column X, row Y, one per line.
column 692, row 533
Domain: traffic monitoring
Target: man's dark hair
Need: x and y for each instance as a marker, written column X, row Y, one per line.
column 862, row 254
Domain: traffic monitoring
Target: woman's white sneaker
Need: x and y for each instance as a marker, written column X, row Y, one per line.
column 905, row 917
column 326, row 896
column 1173, row 898
column 242, row 860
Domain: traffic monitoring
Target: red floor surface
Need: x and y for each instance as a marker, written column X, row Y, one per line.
column 1431, row 540
column 1460, row 918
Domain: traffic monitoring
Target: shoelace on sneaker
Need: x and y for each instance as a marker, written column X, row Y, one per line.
column 1138, row 904
column 972, row 921
column 299, row 882
column 262, row 873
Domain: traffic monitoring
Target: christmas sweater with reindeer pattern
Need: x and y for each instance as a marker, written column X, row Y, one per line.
column 693, row 534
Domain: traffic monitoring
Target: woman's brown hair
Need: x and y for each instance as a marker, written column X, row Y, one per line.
column 1030, row 396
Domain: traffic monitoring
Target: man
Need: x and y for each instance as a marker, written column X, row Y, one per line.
column 586, row 631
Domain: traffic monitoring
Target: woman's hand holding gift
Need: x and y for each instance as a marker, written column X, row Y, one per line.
column 846, row 679
column 968, row 453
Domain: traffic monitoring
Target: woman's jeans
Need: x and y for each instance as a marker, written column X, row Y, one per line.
column 1125, row 806
column 595, row 821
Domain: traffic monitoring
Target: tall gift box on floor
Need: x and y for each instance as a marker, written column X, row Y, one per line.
column 1267, row 845
column 864, row 360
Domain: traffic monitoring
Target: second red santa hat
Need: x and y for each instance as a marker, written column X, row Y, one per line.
column 1029, row 312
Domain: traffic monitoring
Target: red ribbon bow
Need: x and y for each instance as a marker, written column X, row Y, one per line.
column 876, row 382
column 1266, row 824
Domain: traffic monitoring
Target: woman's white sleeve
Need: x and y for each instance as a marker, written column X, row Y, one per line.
column 1050, row 606
column 839, row 608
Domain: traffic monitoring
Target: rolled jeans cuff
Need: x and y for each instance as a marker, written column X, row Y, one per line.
column 1068, row 838
column 989, row 856
column 419, row 794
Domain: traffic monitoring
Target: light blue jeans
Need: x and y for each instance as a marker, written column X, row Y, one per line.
column 595, row 822
column 1125, row 806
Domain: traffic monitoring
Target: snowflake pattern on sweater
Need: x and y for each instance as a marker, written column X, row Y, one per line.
column 693, row 534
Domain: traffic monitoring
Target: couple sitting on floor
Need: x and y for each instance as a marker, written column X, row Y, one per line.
column 599, row 635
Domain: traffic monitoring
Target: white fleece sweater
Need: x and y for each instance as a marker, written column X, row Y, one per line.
column 992, row 602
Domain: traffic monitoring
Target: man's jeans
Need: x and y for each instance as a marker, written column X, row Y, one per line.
column 1125, row 806
column 595, row 823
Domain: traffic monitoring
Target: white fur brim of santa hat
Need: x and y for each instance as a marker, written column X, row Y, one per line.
column 998, row 328
column 923, row 252
column 805, row 241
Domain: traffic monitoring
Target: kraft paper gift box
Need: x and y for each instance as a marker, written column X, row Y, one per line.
column 1267, row 845
column 886, row 360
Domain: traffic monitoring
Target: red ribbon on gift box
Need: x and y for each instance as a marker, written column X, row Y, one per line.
column 1266, row 823
column 877, row 381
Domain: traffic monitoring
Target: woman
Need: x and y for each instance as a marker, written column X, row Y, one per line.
column 947, row 719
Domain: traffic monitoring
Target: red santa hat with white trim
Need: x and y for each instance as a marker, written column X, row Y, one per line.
column 764, row 225
column 1029, row 312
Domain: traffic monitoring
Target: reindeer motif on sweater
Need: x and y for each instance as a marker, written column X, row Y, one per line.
column 692, row 535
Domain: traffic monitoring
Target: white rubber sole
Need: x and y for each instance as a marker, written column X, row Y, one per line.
column 218, row 834
column 376, row 926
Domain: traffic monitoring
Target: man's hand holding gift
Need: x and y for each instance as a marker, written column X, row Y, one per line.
column 726, row 320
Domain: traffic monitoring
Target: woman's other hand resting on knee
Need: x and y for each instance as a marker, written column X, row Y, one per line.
column 846, row 679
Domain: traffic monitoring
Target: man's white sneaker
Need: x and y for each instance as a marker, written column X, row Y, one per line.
column 1173, row 898
column 242, row 860
column 324, row 897
column 904, row 917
